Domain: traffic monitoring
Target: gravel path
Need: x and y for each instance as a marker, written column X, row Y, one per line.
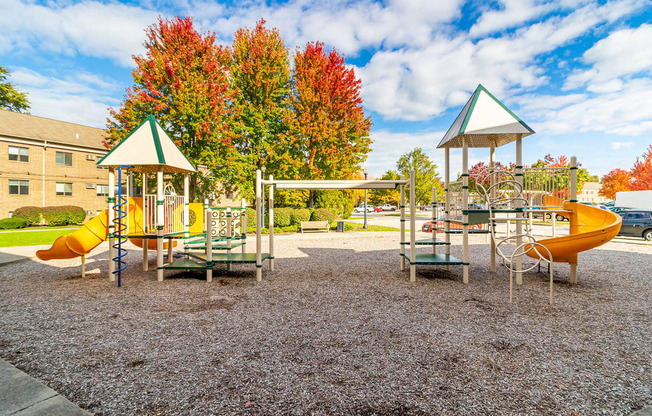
column 337, row 329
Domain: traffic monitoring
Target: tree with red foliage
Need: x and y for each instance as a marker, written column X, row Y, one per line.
column 330, row 132
column 616, row 180
column 181, row 81
column 642, row 172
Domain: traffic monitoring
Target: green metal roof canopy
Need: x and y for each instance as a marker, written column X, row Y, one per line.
column 484, row 122
column 148, row 148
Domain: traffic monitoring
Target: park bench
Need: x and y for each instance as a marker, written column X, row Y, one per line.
column 314, row 226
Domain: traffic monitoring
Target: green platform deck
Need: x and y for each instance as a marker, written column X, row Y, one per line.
column 184, row 264
column 231, row 257
column 457, row 231
column 427, row 242
column 434, row 259
column 215, row 246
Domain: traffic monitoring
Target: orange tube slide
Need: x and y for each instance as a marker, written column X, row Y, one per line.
column 590, row 227
column 80, row 242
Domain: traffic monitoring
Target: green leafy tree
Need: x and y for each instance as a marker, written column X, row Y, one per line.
column 260, row 73
column 386, row 196
column 10, row 98
column 425, row 173
column 182, row 82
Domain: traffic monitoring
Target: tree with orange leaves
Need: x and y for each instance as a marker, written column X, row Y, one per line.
column 616, row 180
column 642, row 172
column 182, row 81
column 638, row 179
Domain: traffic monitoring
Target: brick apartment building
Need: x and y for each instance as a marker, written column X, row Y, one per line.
column 46, row 162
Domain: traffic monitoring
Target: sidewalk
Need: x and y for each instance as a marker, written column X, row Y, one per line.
column 23, row 395
column 10, row 255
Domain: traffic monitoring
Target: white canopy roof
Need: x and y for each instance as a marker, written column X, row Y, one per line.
column 147, row 148
column 484, row 122
column 329, row 184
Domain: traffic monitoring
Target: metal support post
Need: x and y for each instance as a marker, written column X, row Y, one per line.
column 413, row 217
column 519, row 204
column 465, row 208
column 111, row 223
column 259, row 244
column 271, row 224
column 402, row 223
column 160, row 218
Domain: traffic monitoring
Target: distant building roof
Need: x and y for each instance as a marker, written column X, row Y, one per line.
column 26, row 126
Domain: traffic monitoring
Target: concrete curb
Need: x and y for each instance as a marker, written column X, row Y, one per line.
column 23, row 395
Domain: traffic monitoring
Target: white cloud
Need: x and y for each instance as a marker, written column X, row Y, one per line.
column 81, row 98
column 621, row 145
column 114, row 31
column 419, row 83
column 621, row 113
column 623, row 53
column 388, row 147
column 512, row 14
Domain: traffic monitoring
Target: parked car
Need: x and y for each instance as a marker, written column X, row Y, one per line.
column 594, row 205
column 370, row 208
column 454, row 225
column 388, row 207
column 636, row 223
column 377, row 209
column 619, row 209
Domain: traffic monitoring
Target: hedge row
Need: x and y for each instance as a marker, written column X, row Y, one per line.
column 61, row 215
column 285, row 217
column 12, row 223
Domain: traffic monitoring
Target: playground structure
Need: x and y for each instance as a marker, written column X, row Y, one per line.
column 150, row 219
column 511, row 197
column 320, row 184
column 505, row 197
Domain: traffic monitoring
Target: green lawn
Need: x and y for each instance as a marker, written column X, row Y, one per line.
column 31, row 238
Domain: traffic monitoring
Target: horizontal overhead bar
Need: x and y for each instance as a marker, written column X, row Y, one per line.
column 376, row 184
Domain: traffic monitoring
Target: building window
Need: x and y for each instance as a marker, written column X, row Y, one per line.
column 64, row 188
column 102, row 190
column 20, row 154
column 64, row 158
column 18, row 187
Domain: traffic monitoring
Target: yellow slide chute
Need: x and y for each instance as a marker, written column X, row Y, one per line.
column 95, row 231
column 590, row 227
column 80, row 242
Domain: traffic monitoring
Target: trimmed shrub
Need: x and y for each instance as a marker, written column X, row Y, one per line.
column 11, row 223
column 282, row 217
column 323, row 214
column 298, row 215
column 348, row 208
column 251, row 218
column 64, row 215
column 30, row 214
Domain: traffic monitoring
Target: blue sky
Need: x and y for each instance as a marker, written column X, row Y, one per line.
column 579, row 72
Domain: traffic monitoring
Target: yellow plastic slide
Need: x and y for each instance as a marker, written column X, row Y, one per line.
column 590, row 227
column 80, row 242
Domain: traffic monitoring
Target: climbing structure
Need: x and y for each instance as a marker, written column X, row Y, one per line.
column 148, row 149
